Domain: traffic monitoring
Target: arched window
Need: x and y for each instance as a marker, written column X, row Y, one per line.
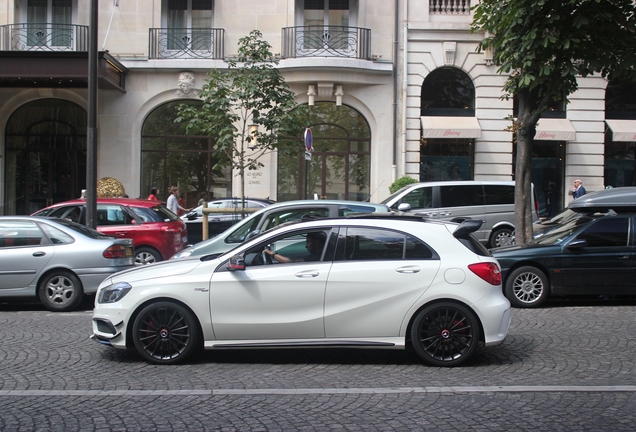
column 620, row 144
column 448, row 91
column 45, row 160
column 171, row 157
column 341, row 160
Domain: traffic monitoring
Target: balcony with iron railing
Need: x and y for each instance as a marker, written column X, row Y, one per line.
column 326, row 41
column 185, row 43
column 43, row 37
column 449, row 7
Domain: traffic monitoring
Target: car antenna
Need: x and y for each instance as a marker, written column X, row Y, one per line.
column 376, row 189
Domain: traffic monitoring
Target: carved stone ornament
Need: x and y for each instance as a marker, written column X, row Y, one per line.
column 186, row 84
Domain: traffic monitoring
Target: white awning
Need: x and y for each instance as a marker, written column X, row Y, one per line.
column 451, row 127
column 622, row 130
column 551, row 129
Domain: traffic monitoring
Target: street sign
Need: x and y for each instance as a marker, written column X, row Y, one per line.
column 307, row 155
column 309, row 140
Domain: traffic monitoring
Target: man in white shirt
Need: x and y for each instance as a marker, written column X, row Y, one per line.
column 173, row 201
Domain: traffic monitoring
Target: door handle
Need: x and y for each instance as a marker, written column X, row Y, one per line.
column 39, row 254
column 445, row 213
column 408, row 269
column 308, row 274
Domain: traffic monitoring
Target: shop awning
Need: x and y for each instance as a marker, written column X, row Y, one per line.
column 451, row 127
column 551, row 129
column 622, row 130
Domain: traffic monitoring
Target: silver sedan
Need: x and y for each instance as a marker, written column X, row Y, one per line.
column 57, row 260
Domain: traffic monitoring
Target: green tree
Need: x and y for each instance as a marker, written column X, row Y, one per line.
column 543, row 46
column 246, row 108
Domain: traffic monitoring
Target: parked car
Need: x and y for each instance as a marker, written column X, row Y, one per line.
column 490, row 201
column 389, row 281
column 219, row 222
column 594, row 254
column 156, row 232
column 274, row 215
column 622, row 199
column 56, row 260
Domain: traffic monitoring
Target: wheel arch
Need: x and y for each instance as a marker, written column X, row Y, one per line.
column 140, row 307
column 409, row 342
column 53, row 270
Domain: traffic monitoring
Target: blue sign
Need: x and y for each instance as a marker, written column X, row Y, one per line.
column 309, row 140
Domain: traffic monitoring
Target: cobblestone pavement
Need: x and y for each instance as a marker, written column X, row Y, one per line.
column 569, row 366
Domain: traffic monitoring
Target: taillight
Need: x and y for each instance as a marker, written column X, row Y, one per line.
column 115, row 251
column 487, row 271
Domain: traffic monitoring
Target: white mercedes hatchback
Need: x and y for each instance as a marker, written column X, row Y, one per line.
column 375, row 281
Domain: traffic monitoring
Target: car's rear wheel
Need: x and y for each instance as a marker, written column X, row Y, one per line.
column 445, row 334
column 527, row 287
column 502, row 237
column 61, row 291
column 146, row 255
column 165, row 333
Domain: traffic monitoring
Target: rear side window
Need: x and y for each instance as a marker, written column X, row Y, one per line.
column 474, row 245
column 499, row 194
column 20, row 233
column 111, row 214
column 158, row 213
column 274, row 219
column 461, row 195
column 365, row 244
column 344, row 210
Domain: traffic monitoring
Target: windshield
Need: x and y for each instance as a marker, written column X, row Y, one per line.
column 557, row 235
column 392, row 197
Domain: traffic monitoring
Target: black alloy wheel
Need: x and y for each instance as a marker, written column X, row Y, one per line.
column 165, row 333
column 445, row 334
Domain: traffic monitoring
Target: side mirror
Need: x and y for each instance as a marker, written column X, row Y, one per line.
column 237, row 262
column 404, row 207
column 577, row 244
column 252, row 234
column 191, row 216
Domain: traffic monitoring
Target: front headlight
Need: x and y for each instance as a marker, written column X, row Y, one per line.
column 114, row 293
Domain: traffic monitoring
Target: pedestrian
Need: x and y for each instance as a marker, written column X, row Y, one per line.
column 182, row 205
column 203, row 198
column 578, row 190
column 154, row 194
column 173, row 201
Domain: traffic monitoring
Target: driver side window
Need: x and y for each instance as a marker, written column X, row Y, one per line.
column 297, row 246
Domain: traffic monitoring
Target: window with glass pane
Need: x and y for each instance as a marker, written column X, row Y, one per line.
column 172, row 157
column 189, row 24
column 340, row 165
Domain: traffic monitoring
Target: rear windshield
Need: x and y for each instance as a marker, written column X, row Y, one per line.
column 158, row 213
column 82, row 229
column 474, row 245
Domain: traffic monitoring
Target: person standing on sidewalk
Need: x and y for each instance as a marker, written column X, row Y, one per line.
column 578, row 190
column 173, row 201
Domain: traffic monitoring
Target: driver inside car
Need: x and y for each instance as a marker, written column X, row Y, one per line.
column 315, row 244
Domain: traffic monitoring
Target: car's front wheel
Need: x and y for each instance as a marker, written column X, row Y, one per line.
column 165, row 333
column 445, row 334
column 61, row 291
column 527, row 287
column 145, row 255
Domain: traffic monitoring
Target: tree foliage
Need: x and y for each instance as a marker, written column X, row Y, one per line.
column 543, row 46
column 245, row 108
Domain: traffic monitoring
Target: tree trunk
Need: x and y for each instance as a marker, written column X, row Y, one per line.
column 527, row 126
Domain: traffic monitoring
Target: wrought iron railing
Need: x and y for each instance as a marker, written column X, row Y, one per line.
column 326, row 41
column 449, row 7
column 186, row 43
column 43, row 37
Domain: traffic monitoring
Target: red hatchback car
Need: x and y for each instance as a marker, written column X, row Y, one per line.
column 156, row 232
